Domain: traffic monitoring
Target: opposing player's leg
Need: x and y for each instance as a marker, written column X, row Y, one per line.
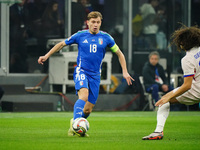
column 187, row 98
column 162, row 115
column 154, row 136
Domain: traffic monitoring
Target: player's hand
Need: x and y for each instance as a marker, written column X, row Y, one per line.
column 163, row 100
column 42, row 59
column 128, row 78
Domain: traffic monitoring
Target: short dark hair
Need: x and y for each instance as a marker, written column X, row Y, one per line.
column 94, row 14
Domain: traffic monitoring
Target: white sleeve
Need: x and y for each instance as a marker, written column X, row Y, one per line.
column 188, row 67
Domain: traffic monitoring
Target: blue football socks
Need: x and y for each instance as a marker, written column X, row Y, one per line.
column 78, row 109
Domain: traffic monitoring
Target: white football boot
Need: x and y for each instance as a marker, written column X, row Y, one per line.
column 154, row 136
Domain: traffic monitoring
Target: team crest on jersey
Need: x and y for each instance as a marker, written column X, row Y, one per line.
column 100, row 41
column 81, row 83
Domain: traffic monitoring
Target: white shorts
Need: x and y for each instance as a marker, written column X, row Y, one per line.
column 187, row 98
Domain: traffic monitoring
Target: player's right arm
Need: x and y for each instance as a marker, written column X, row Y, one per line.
column 56, row 48
column 173, row 94
column 188, row 71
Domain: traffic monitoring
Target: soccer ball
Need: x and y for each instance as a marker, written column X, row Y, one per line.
column 80, row 125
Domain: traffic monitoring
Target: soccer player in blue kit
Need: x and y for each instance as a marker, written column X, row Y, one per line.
column 92, row 45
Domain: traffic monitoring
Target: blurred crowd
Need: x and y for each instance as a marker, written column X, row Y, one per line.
column 33, row 22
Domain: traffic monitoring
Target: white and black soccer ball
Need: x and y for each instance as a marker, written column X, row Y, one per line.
column 81, row 125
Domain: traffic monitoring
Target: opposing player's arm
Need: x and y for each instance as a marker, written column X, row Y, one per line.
column 56, row 48
column 183, row 88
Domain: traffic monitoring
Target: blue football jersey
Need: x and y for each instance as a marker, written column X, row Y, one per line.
column 91, row 49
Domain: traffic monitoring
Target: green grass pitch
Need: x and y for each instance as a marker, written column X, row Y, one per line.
column 108, row 130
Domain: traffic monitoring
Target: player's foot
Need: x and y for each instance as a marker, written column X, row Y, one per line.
column 80, row 135
column 85, row 135
column 154, row 136
column 71, row 131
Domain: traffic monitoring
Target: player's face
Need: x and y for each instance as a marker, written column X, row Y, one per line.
column 153, row 60
column 94, row 25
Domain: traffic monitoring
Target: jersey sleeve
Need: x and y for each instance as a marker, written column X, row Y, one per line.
column 188, row 68
column 111, row 43
column 72, row 39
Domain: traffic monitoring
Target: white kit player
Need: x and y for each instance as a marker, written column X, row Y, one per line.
column 186, row 39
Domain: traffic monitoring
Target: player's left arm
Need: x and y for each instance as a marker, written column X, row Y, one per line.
column 122, row 61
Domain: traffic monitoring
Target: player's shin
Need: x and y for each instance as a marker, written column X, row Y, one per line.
column 162, row 115
column 78, row 108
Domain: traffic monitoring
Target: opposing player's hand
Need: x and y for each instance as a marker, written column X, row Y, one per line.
column 42, row 59
column 163, row 100
column 128, row 78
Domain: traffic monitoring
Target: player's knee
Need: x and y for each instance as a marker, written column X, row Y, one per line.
column 84, row 97
column 83, row 94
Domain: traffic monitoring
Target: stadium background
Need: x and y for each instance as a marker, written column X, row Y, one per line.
column 29, row 90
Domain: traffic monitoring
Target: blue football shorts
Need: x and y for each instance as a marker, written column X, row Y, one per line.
column 92, row 83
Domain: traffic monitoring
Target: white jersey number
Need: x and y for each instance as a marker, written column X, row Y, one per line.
column 93, row 48
column 81, row 77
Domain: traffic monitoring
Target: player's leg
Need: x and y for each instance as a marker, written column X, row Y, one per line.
column 92, row 98
column 186, row 98
column 87, row 97
column 87, row 109
column 78, row 108
column 80, row 103
column 83, row 112
column 81, row 86
column 94, row 84
column 162, row 115
column 93, row 89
